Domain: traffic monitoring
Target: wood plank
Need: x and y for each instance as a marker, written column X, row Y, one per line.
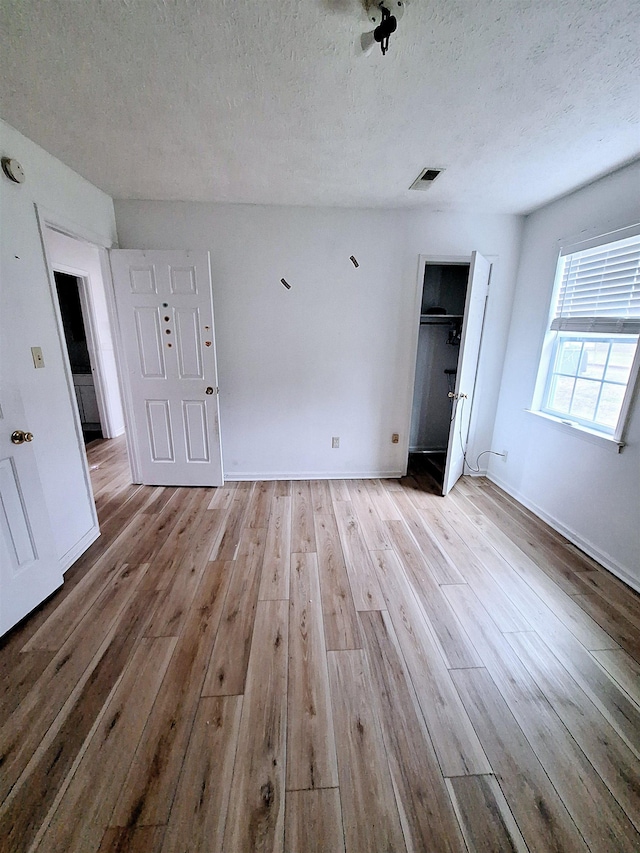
column 313, row 822
column 341, row 626
column 549, row 554
column 150, row 538
column 173, row 607
column 539, row 811
column 456, row 743
column 177, row 544
column 150, row 784
column 256, row 811
column 471, row 569
column 374, row 535
column 442, row 567
column 282, row 489
column 426, row 814
column 457, row 649
column 612, row 758
column 67, row 672
column 618, row 594
column 612, row 621
column 311, row 749
column 370, row 815
column 110, row 747
column 226, row 546
column 598, row 816
column 274, row 581
column 32, row 796
column 142, row 839
column 199, row 811
column 486, row 822
column 222, row 497
column 586, row 630
column 362, row 576
column 339, row 490
column 161, row 499
column 623, row 669
column 303, row 537
column 18, row 674
column 260, row 506
column 228, row 665
column 561, row 553
column 321, row 496
column 616, row 707
column 73, row 607
column 395, row 484
column 385, row 507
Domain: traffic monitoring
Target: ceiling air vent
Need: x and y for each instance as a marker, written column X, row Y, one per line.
column 425, row 179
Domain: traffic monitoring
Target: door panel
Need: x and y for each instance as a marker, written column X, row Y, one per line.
column 29, row 570
column 475, row 303
column 149, row 340
column 165, row 316
column 197, row 431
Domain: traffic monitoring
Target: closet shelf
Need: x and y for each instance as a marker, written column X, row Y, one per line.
column 439, row 318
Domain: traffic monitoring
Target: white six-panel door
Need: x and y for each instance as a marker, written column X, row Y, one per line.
column 165, row 317
column 29, row 570
column 477, row 291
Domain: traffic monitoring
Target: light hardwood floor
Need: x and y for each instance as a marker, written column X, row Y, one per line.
column 336, row 666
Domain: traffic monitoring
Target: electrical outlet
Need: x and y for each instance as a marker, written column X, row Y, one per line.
column 504, row 455
column 395, row 438
column 38, row 358
column 335, row 442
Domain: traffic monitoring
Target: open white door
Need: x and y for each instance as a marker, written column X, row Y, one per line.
column 165, row 316
column 29, row 569
column 475, row 303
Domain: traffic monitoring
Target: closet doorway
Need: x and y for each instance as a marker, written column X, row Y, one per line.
column 453, row 298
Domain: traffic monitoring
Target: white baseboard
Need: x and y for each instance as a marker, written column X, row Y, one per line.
column 585, row 545
column 67, row 560
column 312, row 475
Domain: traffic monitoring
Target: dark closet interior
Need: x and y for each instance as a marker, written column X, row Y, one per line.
column 441, row 316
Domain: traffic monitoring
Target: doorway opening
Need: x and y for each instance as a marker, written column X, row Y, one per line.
column 82, row 369
column 78, row 288
column 444, row 293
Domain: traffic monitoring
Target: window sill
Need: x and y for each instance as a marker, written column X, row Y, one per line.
column 580, row 432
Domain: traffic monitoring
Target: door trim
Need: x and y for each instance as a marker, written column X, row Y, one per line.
column 118, row 351
column 88, row 318
column 47, row 220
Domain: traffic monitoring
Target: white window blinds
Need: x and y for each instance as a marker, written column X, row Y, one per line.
column 600, row 290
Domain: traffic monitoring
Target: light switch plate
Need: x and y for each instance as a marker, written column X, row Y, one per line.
column 38, row 358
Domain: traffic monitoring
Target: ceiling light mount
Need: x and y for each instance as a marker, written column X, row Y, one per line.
column 384, row 15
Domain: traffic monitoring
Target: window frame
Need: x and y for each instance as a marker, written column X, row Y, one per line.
column 585, row 337
column 551, row 342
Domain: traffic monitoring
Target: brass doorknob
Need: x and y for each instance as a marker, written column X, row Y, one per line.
column 18, row 436
column 209, row 390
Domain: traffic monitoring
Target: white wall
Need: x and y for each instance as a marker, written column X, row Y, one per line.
column 82, row 259
column 30, row 321
column 333, row 356
column 584, row 489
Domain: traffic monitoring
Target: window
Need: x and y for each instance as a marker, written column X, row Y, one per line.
column 590, row 356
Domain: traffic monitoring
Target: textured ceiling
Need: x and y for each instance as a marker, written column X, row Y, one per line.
column 268, row 102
